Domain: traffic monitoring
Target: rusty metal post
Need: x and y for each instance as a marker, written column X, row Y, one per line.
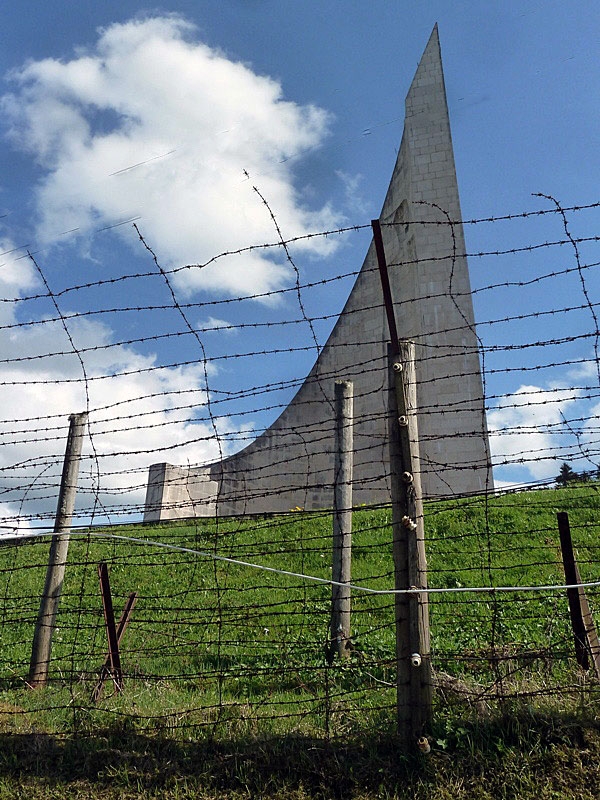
column 106, row 667
column 385, row 284
column 582, row 622
column 111, row 630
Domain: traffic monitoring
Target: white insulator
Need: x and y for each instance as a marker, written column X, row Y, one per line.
column 409, row 523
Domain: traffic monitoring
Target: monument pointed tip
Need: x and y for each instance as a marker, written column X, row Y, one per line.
column 429, row 70
column 434, row 41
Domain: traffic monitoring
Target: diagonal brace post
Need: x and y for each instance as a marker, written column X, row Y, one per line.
column 123, row 622
column 385, row 285
column 114, row 658
column 582, row 622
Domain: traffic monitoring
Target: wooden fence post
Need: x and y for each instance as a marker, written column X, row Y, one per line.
column 414, row 698
column 59, row 547
column 413, row 660
column 342, row 520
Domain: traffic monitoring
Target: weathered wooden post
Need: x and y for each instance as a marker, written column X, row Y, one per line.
column 342, row 520
column 413, row 659
column 57, row 560
column 412, row 610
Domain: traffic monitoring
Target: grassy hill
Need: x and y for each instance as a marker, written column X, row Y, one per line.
column 227, row 689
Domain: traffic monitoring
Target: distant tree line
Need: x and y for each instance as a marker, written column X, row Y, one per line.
column 568, row 475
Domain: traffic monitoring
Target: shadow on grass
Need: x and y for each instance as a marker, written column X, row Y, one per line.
column 262, row 767
column 476, row 760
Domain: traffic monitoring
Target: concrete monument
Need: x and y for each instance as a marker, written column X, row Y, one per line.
column 291, row 464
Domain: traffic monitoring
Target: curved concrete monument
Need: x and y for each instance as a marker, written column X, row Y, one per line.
column 291, row 464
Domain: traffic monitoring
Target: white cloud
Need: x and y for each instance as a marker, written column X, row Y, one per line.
column 354, row 199
column 149, row 123
column 193, row 121
column 11, row 524
column 137, row 415
column 17, row 274
column 214, row 324
column 527, row 428
column 590, row 438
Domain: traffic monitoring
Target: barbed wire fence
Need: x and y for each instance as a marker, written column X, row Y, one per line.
column 230, row 632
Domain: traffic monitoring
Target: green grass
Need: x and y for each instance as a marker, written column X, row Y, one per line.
column 518, row 756
column 225, row 668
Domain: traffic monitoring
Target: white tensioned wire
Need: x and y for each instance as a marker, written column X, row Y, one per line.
column 314, row 578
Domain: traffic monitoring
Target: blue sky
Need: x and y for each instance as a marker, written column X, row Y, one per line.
column 100, row 128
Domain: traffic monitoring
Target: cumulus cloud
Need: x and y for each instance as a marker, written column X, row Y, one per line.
column 152, row 123
column 139, row 413
column 135, row 418
column 149, row 123
column 528, row 428
column 17, row 274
